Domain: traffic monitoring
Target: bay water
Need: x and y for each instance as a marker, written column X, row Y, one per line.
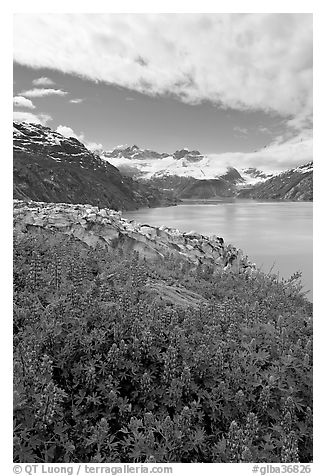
column 274, row 235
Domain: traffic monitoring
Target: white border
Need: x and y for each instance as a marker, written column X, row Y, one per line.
column 171, row 6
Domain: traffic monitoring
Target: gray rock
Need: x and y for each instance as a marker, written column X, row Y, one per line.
column 106, row 228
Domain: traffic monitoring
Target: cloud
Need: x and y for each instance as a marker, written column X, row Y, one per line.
column 67, row 131
column 94, row 147
column 42, row 92
column 241, row 61
column 264, row 130
column 43, row 81
column 22, row 116
column 120, row 146
column 241, row 130
column 279, row 155
column 76, row 101
column 20, row 101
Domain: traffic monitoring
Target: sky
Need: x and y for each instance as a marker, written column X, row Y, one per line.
column 234, row 86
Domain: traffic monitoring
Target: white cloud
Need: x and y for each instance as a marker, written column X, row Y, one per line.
column 20, row 101
column 43, row 81
column 22, row 116
column 94, row 147
column 279, row 155
column 242, row 61
column 241, row 130
column 76, row 101
column 67, row 131
column 41, row 92
column 120, row 146
column 264, row 130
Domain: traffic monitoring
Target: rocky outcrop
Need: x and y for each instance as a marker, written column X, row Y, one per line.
column 106, row 228
column 189, row 155
column 175, row 294
column 255, row 173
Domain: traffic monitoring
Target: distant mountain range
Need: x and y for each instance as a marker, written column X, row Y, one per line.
column 190, row 174
column 51, row 168
column 148, row 164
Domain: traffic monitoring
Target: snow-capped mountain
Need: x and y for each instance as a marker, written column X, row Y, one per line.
column 148, row 164
column 253, row 176
column 190, row 174
column 304, row 169
column 133, row 153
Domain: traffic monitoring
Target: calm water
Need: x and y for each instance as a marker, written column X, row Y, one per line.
column 270, row 233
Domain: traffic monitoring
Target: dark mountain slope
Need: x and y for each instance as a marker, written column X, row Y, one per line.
column 49, row 167
column 294, row 184
column 207, row 189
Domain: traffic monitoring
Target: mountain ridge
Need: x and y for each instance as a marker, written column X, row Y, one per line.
column 190, row 174
column 292, row 184
column 50, row 167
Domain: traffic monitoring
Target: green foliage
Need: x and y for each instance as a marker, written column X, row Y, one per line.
column 105, row 373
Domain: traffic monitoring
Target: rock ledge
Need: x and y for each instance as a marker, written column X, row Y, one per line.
column 106, row 228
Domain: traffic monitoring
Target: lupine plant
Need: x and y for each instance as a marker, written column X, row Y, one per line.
column 106, row 370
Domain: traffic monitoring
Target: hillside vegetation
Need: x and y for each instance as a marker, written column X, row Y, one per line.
column 111, row 365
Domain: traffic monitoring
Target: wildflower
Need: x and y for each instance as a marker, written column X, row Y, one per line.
column 145, row 383
column 246, row 456
column 289, row 452
column 186, row 379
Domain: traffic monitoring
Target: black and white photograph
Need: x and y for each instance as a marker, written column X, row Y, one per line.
column 162, row 179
